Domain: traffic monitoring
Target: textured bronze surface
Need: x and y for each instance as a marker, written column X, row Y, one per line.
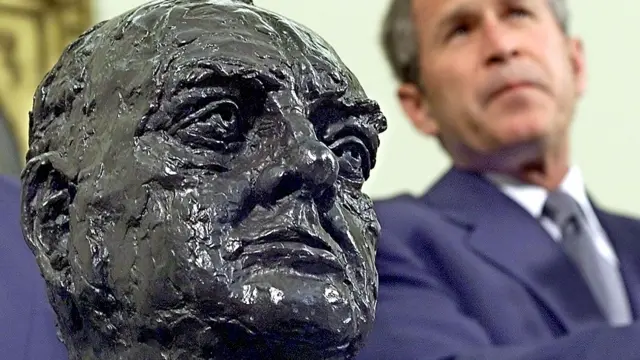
column 193, row 189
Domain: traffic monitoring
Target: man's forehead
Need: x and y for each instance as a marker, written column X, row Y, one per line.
column 436, row 9
column 430, row 12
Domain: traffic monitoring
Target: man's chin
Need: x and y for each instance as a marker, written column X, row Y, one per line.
column 507, row 158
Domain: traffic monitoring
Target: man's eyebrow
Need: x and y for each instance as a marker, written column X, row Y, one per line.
column 452, row 16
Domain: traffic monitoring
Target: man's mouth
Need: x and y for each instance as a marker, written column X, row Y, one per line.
column 510, row 88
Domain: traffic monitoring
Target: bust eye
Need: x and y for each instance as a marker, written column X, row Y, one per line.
column 217, row 126
column 355, row 163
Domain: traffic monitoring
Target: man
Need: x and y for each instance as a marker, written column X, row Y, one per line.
column 506, row 256
column 193, row 188
column 27, row 323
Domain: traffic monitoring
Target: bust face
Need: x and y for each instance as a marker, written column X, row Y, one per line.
column 221, row 151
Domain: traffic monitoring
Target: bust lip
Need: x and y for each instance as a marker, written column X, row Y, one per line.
column 296, row 256
column 294, row 235
column 292, row 247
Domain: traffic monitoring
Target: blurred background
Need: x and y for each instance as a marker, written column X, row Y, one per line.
column 34, row 32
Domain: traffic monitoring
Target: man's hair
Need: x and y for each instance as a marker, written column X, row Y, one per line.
column 400, row 42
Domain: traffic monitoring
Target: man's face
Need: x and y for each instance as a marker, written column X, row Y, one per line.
column 498, row 76
column 246, row 185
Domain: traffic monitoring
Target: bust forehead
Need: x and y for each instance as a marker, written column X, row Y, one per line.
column 233, row 40
column 234, row 37
column 231, row 30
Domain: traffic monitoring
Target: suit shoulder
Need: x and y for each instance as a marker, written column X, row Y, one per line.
column 405, row 214
column 9, row 190
column 620, row 218
column 15, row 256
column 403, row 207
column 10, row 207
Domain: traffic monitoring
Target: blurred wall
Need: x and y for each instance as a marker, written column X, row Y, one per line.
column 33, row 34
column 606, row 127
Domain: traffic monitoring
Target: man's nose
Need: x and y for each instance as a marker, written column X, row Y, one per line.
column 309, row 167
column 500, row 43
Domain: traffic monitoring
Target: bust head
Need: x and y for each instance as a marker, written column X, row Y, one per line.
column 193, row 188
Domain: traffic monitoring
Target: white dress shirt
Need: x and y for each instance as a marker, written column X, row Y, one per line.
column 532, row 198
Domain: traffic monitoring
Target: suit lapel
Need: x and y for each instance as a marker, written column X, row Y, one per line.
column 507, row 236
column 624, row 234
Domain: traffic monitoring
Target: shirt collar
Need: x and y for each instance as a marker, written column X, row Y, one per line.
column 532, row 197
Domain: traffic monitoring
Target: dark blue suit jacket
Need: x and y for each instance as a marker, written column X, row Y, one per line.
column 27, row 322
column 466, row 273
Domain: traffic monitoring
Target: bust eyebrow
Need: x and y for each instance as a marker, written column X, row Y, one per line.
column 191, row 85
column 361, row 117
column 370, row 109
column 367, row 110
column 211, row 73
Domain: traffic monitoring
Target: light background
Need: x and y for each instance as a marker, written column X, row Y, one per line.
column 605, row 130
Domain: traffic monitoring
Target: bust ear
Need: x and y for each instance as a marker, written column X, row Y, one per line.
column 47, row 192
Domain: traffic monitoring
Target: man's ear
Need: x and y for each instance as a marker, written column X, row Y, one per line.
column 417, row 110
column 578, row 65
column 47, row 192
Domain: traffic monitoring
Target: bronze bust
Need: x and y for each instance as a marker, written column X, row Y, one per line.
column 193, row 188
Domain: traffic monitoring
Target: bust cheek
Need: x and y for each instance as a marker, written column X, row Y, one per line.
column 223, row 198
column 176, row 242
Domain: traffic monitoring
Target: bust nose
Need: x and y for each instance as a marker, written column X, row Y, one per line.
column 310, row 167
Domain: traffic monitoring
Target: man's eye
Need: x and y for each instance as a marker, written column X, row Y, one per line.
column 459, row 30
column 217, row 126
column 519, row 12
